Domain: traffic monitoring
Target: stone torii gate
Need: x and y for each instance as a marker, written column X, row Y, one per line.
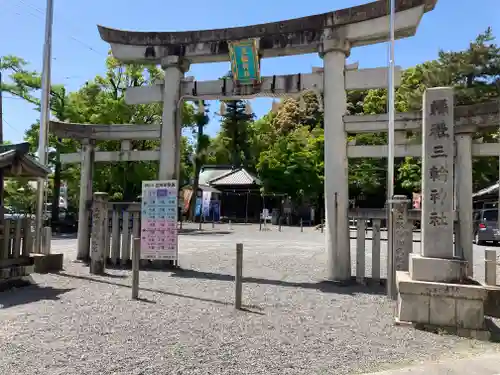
column 88, row 134
column 332, row 35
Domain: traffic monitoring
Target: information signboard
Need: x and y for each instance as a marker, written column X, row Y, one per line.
column 159, row 220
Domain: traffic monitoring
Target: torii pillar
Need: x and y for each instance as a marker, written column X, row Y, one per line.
column 337, row 242
column 170, row 133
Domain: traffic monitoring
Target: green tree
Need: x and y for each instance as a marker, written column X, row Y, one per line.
column 99, row 101
column 474, row 73
column 235, row 133
column 293, row 165
column 24, row 84
column 305, row 110
column 263, row 134
column 187, row 152
column 201, row 155
column 20, row 195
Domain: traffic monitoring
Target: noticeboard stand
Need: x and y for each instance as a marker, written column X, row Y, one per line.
column 159, row 222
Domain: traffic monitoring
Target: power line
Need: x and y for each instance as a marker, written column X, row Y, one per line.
column 31, row 13
column 8, row 124
column 40, row 15
column 13, row 97
column 5, row 122
column 70, row 36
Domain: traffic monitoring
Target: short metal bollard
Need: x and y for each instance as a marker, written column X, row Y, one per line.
column 239, row 276
column 490, row 267
column 230, row 226
column 136, row 260
column 301, row 225
column 46, row 240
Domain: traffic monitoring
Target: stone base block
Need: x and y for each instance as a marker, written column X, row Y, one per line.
column 16, row 271
column 16, row 282
column 492, row 304
column 97, row 267
column 16, row 275
column 45, row 263
column 476, row 334
column 83, row 259
column 459, row 306
column 437, row 269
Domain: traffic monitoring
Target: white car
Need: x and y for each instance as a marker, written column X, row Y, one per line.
column 10, row 213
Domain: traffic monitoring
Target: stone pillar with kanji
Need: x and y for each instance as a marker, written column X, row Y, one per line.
column 98, row 240
column 436, row 261
column 403, row 233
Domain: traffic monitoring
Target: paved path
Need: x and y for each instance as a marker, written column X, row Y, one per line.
column 295, row 323
column 289, row 237
column 486, row 364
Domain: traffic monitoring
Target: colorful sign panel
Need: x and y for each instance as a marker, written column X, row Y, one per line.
column 215, row 210
column 159, row 220
column 203, row 204
column 244, row 56
column 197, row 210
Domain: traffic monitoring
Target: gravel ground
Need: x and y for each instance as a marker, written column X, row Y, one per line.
column 74, row 323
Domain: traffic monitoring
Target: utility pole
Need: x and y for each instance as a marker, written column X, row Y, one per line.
column 56, row 191
column 1, row 142
column 44, row 122
column 391, row 271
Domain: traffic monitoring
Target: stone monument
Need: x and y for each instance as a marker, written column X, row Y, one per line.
column 437, row 262
column 436, row 290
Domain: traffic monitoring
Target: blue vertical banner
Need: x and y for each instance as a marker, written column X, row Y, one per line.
column 197, row 209
column 244, row 57
column 215, row 210
column 206, row 204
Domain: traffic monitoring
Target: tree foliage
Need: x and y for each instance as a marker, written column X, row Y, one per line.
column 200, row 157
column 234, row 133
column 99, row 101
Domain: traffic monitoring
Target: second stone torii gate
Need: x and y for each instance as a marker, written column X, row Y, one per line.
column 88, row 134
column 332, row 34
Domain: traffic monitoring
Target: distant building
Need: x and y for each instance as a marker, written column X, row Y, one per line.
column 237, row 190
column 486, row 198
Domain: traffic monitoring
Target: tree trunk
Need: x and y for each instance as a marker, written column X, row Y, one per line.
column 196, row 180
column 197, row 170
column 235, row 160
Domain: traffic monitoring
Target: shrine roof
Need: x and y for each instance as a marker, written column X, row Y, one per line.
column 239, row 176
column 15, row 162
